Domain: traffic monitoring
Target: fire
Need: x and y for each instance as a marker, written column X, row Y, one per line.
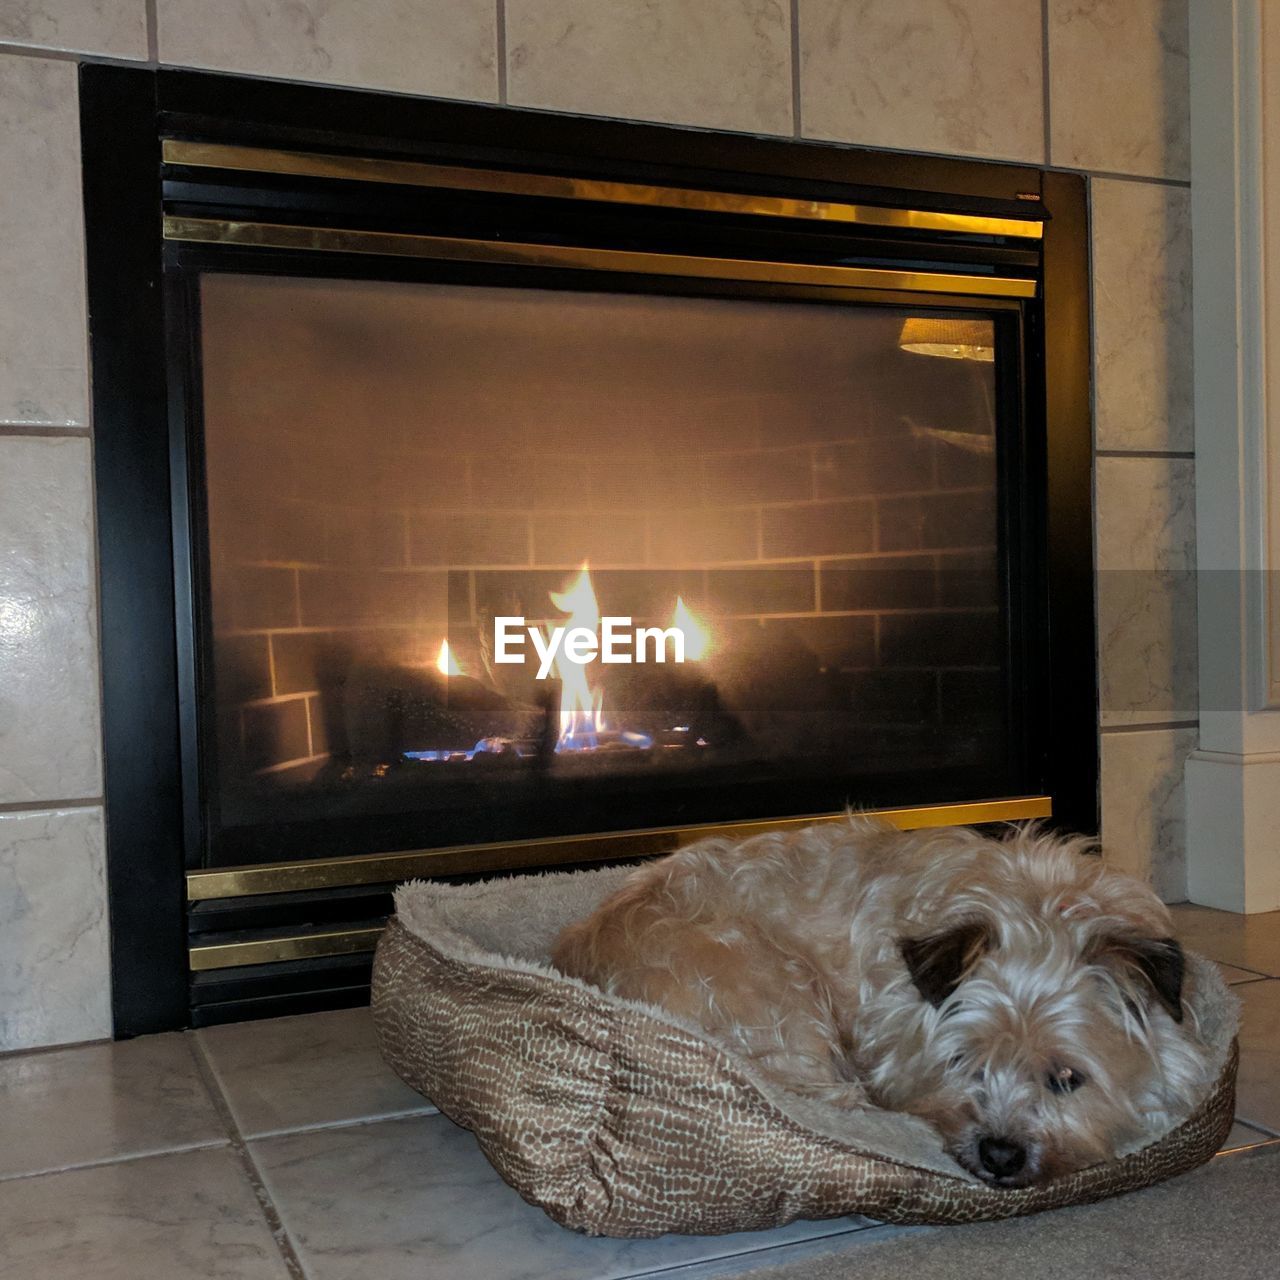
column 446, row 663
column 581, row 708
column 697, row 639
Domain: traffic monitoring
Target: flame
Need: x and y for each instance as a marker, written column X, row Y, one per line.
column 446, row 663
column 697, row 639
column 581, row 708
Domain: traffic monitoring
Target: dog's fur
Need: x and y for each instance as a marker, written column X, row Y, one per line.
column 1017, row 994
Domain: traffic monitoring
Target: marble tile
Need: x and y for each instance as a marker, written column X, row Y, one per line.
column 1146, row 590
column 50, row 740
column 43, row 328
column 306, row 1071
column 722, row 64
column 444, row 48
column 414, row 1199
column 1248, row 942
column 55, row 980
column 176, row 1217
column 117, row 28
column 1258, row 1084
column 1119, row 89
column 100, row 1102
column 1142, row 316
column 1143, row 819
column 963, row 77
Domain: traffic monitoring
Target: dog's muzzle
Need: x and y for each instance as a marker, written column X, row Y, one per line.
column 1002, row 1158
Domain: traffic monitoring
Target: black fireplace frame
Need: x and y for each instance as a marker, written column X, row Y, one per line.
column 146, row 630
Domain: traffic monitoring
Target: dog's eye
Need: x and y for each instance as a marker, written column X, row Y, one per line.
column 1064, row 1080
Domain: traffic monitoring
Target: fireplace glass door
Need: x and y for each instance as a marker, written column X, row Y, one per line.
column 775, row 525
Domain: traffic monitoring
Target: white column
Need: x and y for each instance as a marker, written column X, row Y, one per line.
column 1233, row 780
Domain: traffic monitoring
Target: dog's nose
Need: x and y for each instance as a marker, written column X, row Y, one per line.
column 1001, row 1157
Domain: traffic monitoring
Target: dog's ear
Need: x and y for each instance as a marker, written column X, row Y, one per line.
column 938, row 963
column 1158, row 962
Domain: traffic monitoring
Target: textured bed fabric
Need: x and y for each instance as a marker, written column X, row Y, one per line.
column 618, row 1119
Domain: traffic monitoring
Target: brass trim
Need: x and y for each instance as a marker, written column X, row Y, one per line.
column 307, row 946
column 380, row 868
column 208, row 155
column 266, row 235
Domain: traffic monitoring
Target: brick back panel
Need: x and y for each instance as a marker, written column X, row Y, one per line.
column 828, row 501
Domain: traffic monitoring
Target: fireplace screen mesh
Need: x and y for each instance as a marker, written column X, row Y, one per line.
column 411, row 488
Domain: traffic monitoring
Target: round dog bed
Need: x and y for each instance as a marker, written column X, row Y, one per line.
column 619, row 1119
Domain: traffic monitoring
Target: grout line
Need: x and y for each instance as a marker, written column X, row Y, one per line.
column 764, row 1253
column 1112, row 175
column 279, row 1233
column 11, row 47
column 1260, row 1128
column 153, row 27
column 1047, row 93
column 41, row 806
column 1185, row 454
column 35, row 51
column 130, row 1157
column 500, row 34
column 797, row 122
column 1154, row 726
column 39, row 1049
column 41, row 431
column 359, row 1122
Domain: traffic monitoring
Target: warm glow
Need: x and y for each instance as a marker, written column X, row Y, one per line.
column 697, row 639
column 581, row 709
column 446, row 663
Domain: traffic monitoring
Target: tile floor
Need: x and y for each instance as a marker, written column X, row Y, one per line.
column 285, row 1149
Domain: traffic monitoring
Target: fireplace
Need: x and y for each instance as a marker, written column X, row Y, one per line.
column 401, row 480
column 484, row 491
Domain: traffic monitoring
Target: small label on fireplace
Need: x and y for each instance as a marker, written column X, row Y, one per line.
column 614, row 641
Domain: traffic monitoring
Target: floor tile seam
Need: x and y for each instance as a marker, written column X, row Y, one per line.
column 1235, row 964
column 44, row 1050
column 763, row 1255
column 356, row 1122
column 126, row 1157
column 244, row 1157
column 693, row 1265
column 1268, row 1129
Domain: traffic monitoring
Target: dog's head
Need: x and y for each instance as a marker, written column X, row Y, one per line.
column 1046, row 1044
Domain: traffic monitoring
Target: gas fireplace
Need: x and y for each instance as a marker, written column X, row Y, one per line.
column 484, row 490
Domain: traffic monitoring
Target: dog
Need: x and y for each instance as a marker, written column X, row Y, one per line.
column 1016, row 993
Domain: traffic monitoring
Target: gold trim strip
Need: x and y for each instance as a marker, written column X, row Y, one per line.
column 408, row 173
column 265, row 235
column 380, row 868
column 307, row 946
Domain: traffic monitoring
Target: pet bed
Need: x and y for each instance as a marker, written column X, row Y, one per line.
column 619, row 1119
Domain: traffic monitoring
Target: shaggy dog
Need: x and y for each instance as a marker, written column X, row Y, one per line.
column 1015, row 993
